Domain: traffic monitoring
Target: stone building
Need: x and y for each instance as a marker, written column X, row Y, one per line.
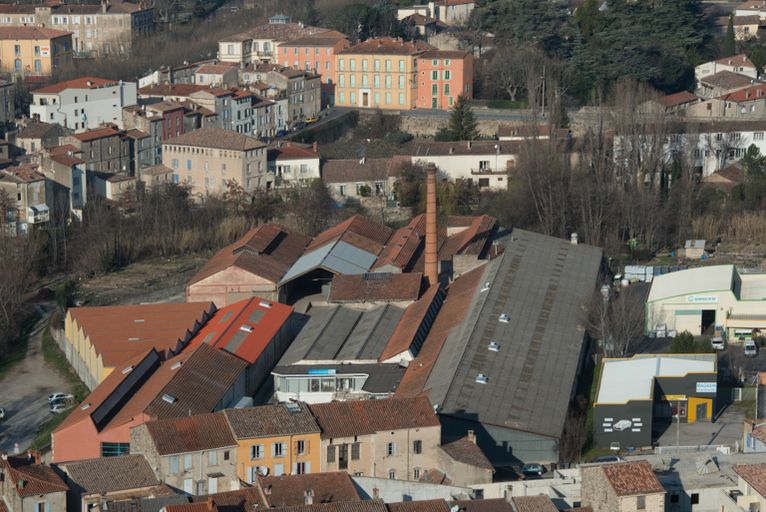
column 622, row 487
column 26, row 484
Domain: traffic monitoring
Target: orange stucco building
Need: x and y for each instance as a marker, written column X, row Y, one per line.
column 317, row 54
column 443, row 75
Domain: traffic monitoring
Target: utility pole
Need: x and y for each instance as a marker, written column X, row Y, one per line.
column 678, row 427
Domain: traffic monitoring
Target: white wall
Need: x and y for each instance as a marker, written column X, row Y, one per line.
column 100, row 105
column 461, row 167
column 392, row 491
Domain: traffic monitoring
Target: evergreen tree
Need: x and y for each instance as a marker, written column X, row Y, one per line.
column 462, row 123
column 729, row 42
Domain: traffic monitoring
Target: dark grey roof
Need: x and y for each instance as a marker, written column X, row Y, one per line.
column 337, row 333
column 110, row 474
column 147, row 504
column 381, row 377
column 541, row 282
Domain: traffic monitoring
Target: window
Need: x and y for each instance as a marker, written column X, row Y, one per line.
column 279, row 469
column 758, row 136
column 352, row 80
column 435, row 62
column 388, row 98
column 416, row 473
column 640, row 502
column 447, row 62
column 342, row 193
column 187, row 462
column 341, row 97
column 37, row 51
column 364, row 64
column 365, row 81
column 256, row 451
column 376, row 81
column 302, row 468
column 341, row 65
column 674, row 498
column 446, row 89
column 212, row 485
column 17, row 49
column 392, row 474
column 355, row 451
column 300, row 447
column 401, row 66
column 695, row 498
column 390, row 449
column 401, row 98
column 188, row 165
column 174, row 464
column 417, row 446
column 38, row 66
column 212, row 458
column 401, row 82
column 434, row 75
column 114, row 449
column 434, row 89
column 352, row 64
column 41, row 506
column 377, row 98
column 388, row 65
column 352, row 98
column 188, row 486
column 447, row 74
column 388, row 81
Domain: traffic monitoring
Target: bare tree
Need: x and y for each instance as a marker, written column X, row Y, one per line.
column 617, row 320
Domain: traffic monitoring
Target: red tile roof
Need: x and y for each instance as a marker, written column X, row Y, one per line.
column 406, row 330
column 97, row 133
column 387, row 46
column 378, row 286
column 437, row 505
column 31, row 33
column 163, row 90
column 291, row 152
column 216, row 69
column 404, row 246
column 736, row 60
column 755, row 92
column 228, row 329
column 338, row 506
column 466, row 450
column 679, row 98
column 247, row 499
column 471, row 241
column 629, row 478
column 356, row 230
column 26, row 173
column 267, row 251
column 444, row 54
column 533, row 504
column 85, row 82
column 118, row 333
column 459, row 295
column 191, row 434
column 288, row 490
column 271, row 421
column 216, row 138
column 37, row 478
column 490, row 505
column 348, row 419
column 754, row 475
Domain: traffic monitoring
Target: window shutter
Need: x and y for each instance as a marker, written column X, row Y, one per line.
column 308, row 468
column 331, row 453
column 295, row 468
column 355, row 451
column 306, row 445
column 273, row 449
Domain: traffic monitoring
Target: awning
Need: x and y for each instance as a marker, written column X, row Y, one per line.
column 215, row 475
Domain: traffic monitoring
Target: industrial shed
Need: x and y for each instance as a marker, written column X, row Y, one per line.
column 716, row 299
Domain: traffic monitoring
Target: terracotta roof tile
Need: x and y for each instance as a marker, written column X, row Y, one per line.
column 444, row 54
column 628, row 478
column 36, row 130
column 26, row 173
column 348, row 419
column 110, row 474
column 351, row 170
column 37, row 478
column 375, row 234
column 217, row 138
column 472, row 241
column 338, row 506
column 85, row 82
column 404, row 246
column 191, row 433
column 216, row 69
column 752, row 93
column 679, row 98
column 387, row 46
column 736, row 60
column 726, row 80
column 754, row 475
column 247, row 499
column 407, row 329
column 271, row 420
column 278, row 32
column 31, row 33
column 267, row 251
column 533, row 504
column 491, row 505
column 288, row 490
column 437, row 505
column 97, row 133
column 468, row 452
column 163, row 90
column 378, row 286
column 291, row 152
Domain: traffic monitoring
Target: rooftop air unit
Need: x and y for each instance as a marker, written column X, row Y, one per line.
column 482, row 379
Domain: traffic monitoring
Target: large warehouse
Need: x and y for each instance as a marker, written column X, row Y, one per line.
column 708, row 299
column 633, row 392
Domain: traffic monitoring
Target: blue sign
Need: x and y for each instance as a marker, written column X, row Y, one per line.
column 322, row 371
column 707, row 387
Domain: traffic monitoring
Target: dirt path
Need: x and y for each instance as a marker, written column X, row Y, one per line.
column 24, row 391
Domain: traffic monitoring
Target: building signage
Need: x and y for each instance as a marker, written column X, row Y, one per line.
column 673, row 398
column 707, row 387
column 45, row 51
column 321, row 371
column 701, row 299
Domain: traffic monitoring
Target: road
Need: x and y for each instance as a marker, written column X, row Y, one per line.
column 24, row 391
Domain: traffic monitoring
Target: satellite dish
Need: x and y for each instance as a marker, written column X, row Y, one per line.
column 263, row 471
column 454, row 508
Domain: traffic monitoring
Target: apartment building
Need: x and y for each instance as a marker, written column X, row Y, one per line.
column 209, row 159
column 29, row 485
column 25, row 186
column 301, row 89
column 217, row 75
column 395, row 438
column 315, row 54
column 109, row 28
column 442, row 77
column 65, row 173
column 261, row 43
column 294, row 165
column 33, row 51
column 275, row 440
column 83, row 103
column 105, row 149
column 7, row 105
column 203, row 463
column 379, row 73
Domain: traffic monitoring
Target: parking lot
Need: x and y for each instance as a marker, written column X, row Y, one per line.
column 23, row 394
column 726, row 429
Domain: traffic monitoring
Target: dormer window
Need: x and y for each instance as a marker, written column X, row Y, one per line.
column 169, row 399
column 504, row 318
column 482, row 378
column 493, row 346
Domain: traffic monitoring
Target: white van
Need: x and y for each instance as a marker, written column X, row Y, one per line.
column 717, row 343
column 751, row 350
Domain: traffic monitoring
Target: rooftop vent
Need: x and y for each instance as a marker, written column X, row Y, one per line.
column 293, row 407
column 176, row 365
column 486, row 286
column 493, row 346
column 127, row 369
column 505, row 318
column 169, row 398
column 482, row 379
column 264, row 304
column 246, row 328
column 85, row 406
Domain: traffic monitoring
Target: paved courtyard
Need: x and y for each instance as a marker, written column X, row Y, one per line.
column 727, row 429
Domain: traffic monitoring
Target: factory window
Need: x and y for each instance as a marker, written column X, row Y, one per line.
column 114, row 449
column 695, row 498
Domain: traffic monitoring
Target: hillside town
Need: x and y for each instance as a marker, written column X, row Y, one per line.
column 354, row 256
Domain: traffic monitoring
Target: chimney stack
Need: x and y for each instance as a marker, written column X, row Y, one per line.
column 308, row 495
column 471, row 436
column 431, row 263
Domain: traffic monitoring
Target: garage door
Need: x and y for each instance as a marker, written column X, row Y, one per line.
column 689, row 320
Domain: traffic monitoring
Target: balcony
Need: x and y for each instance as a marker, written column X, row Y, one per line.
column 37, row 214
column 488, row 171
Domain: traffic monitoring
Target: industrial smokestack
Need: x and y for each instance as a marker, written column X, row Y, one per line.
column 431, row 264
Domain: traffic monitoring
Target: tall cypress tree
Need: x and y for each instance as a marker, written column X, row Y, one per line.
column 462, row 122
column 729, row 42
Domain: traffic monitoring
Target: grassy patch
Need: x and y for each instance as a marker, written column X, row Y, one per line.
column 56, row 358
column 17, row 349
column 505, row 104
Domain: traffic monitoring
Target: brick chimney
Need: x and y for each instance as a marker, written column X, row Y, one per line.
column 431, row 261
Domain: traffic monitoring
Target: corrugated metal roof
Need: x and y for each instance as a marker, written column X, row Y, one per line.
column 691, row 281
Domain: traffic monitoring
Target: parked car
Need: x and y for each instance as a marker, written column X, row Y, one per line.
column 751, row 349
column 58, row 408
column 282, row 133
column 312, row 119
column 55, row 397
column 607, row 458
column 718, row 343
column 532, row 469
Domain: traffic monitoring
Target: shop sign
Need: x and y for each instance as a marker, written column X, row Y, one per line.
column 701, row 299
column 707, row 387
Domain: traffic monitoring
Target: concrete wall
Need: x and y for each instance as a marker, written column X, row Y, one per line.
column 85, row 109
column 231, row 285
column 392, row 491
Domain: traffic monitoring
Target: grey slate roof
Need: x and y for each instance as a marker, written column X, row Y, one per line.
column 336, row 333
column 541, row 282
